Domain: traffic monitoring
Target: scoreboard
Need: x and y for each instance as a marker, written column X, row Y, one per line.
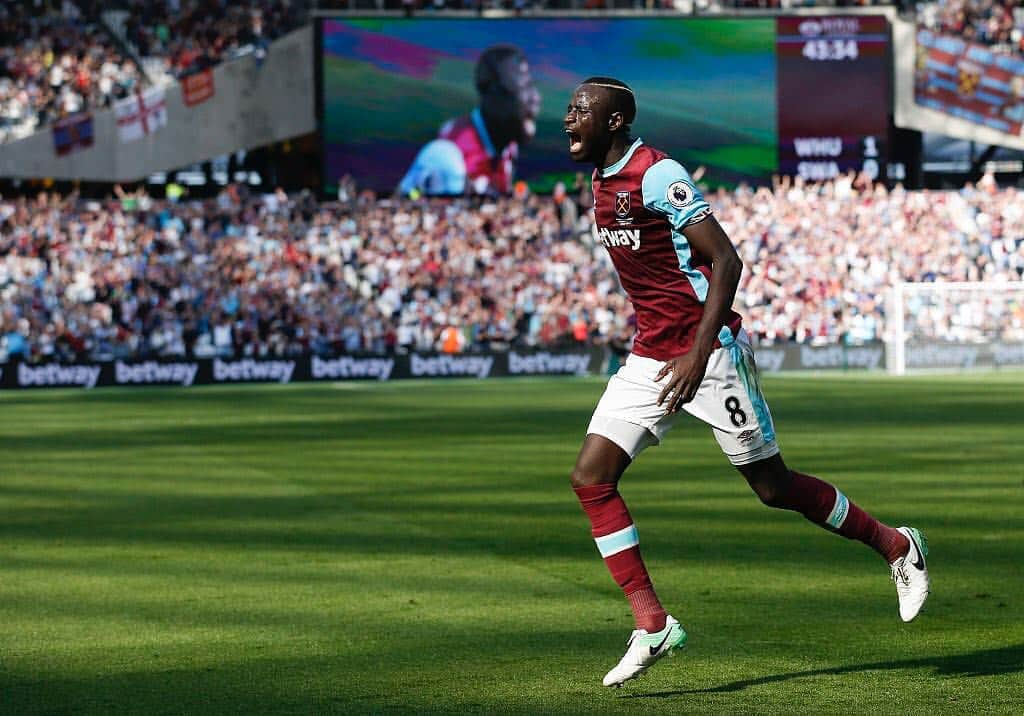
column 834, row 95
column 744, row 97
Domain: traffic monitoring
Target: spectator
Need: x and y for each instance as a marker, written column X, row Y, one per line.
column 278, row 275
column 191, row 35
column 997, row 23
column 53, row 63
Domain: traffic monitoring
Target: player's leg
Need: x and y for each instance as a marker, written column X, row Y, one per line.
column 626, row 421
column 823, row 504
column 904, row 548
column 599, row 466
column 595, row 478
column 730, row 400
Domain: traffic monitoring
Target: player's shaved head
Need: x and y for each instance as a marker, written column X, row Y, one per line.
column 509, row 100
column 597, row 120
column 619, row 95
column 488, row 75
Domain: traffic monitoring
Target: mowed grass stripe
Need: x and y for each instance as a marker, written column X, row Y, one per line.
column 414, row 547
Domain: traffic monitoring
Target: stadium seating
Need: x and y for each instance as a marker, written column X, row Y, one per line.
column 191, row 35
column 59, row 58
column 54, row 62
column 276, row 275
column 998, row 23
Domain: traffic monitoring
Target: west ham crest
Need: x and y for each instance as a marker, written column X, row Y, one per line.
column 622, row 204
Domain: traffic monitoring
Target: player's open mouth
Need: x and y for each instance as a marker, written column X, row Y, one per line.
column 575, row 143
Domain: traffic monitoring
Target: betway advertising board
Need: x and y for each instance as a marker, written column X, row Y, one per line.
column 591, row 361
column 212, row 371
column 943, row 356
column 871, row 356
column 771, row 359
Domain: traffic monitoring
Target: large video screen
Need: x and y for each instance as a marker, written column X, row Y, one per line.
column 969, row 81
column 452, row 106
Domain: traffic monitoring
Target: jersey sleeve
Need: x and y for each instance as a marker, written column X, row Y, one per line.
column 439, row 168
column 668, row 189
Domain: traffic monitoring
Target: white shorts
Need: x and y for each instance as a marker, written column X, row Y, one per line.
column 729, row 400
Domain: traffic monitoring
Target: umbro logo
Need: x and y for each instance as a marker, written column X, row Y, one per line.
column 747, row 436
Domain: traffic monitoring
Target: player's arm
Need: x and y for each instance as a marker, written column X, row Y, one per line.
column 708, row 238
column 669, row 190
column 439, row 168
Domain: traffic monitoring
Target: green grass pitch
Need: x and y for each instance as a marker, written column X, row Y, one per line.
column 415, row 548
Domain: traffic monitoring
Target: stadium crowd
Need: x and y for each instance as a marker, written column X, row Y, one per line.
column 997, row 23
column 820, row 258
column 273, row 274
column 190, row 35
column 55, row 62
column 56, row 57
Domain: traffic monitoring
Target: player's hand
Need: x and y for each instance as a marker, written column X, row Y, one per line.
column 687, row 374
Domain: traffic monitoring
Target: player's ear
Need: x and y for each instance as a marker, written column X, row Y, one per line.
column 615, row 121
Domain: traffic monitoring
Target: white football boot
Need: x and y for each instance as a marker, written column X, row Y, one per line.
column 911, row 574
column 643, row 650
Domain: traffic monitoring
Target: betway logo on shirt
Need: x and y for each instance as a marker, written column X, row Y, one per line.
column 619, row 237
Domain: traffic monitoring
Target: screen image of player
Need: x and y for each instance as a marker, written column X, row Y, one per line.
column 390, row 87
column 455, row 106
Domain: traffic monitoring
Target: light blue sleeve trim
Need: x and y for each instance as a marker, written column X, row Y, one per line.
column 439, row 168
column 697, row 280
column 668, row 189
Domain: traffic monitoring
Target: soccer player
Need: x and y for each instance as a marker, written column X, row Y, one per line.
column 476, row 154
column 690, row 353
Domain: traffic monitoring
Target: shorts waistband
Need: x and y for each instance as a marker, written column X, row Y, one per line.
column 725, row 337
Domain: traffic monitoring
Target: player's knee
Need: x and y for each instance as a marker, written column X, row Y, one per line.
column 586, row 477
column 582, row 478
column 770, row 487
column 769, row 479
column 769, row 492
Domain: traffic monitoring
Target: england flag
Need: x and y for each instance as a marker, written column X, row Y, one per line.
column 141, row 114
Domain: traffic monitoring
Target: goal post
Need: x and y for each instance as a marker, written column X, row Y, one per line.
column 943, row 326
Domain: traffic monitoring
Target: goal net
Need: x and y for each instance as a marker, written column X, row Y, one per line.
column 943, row 326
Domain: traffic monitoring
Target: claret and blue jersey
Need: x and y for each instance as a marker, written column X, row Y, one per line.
column 642, row 204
